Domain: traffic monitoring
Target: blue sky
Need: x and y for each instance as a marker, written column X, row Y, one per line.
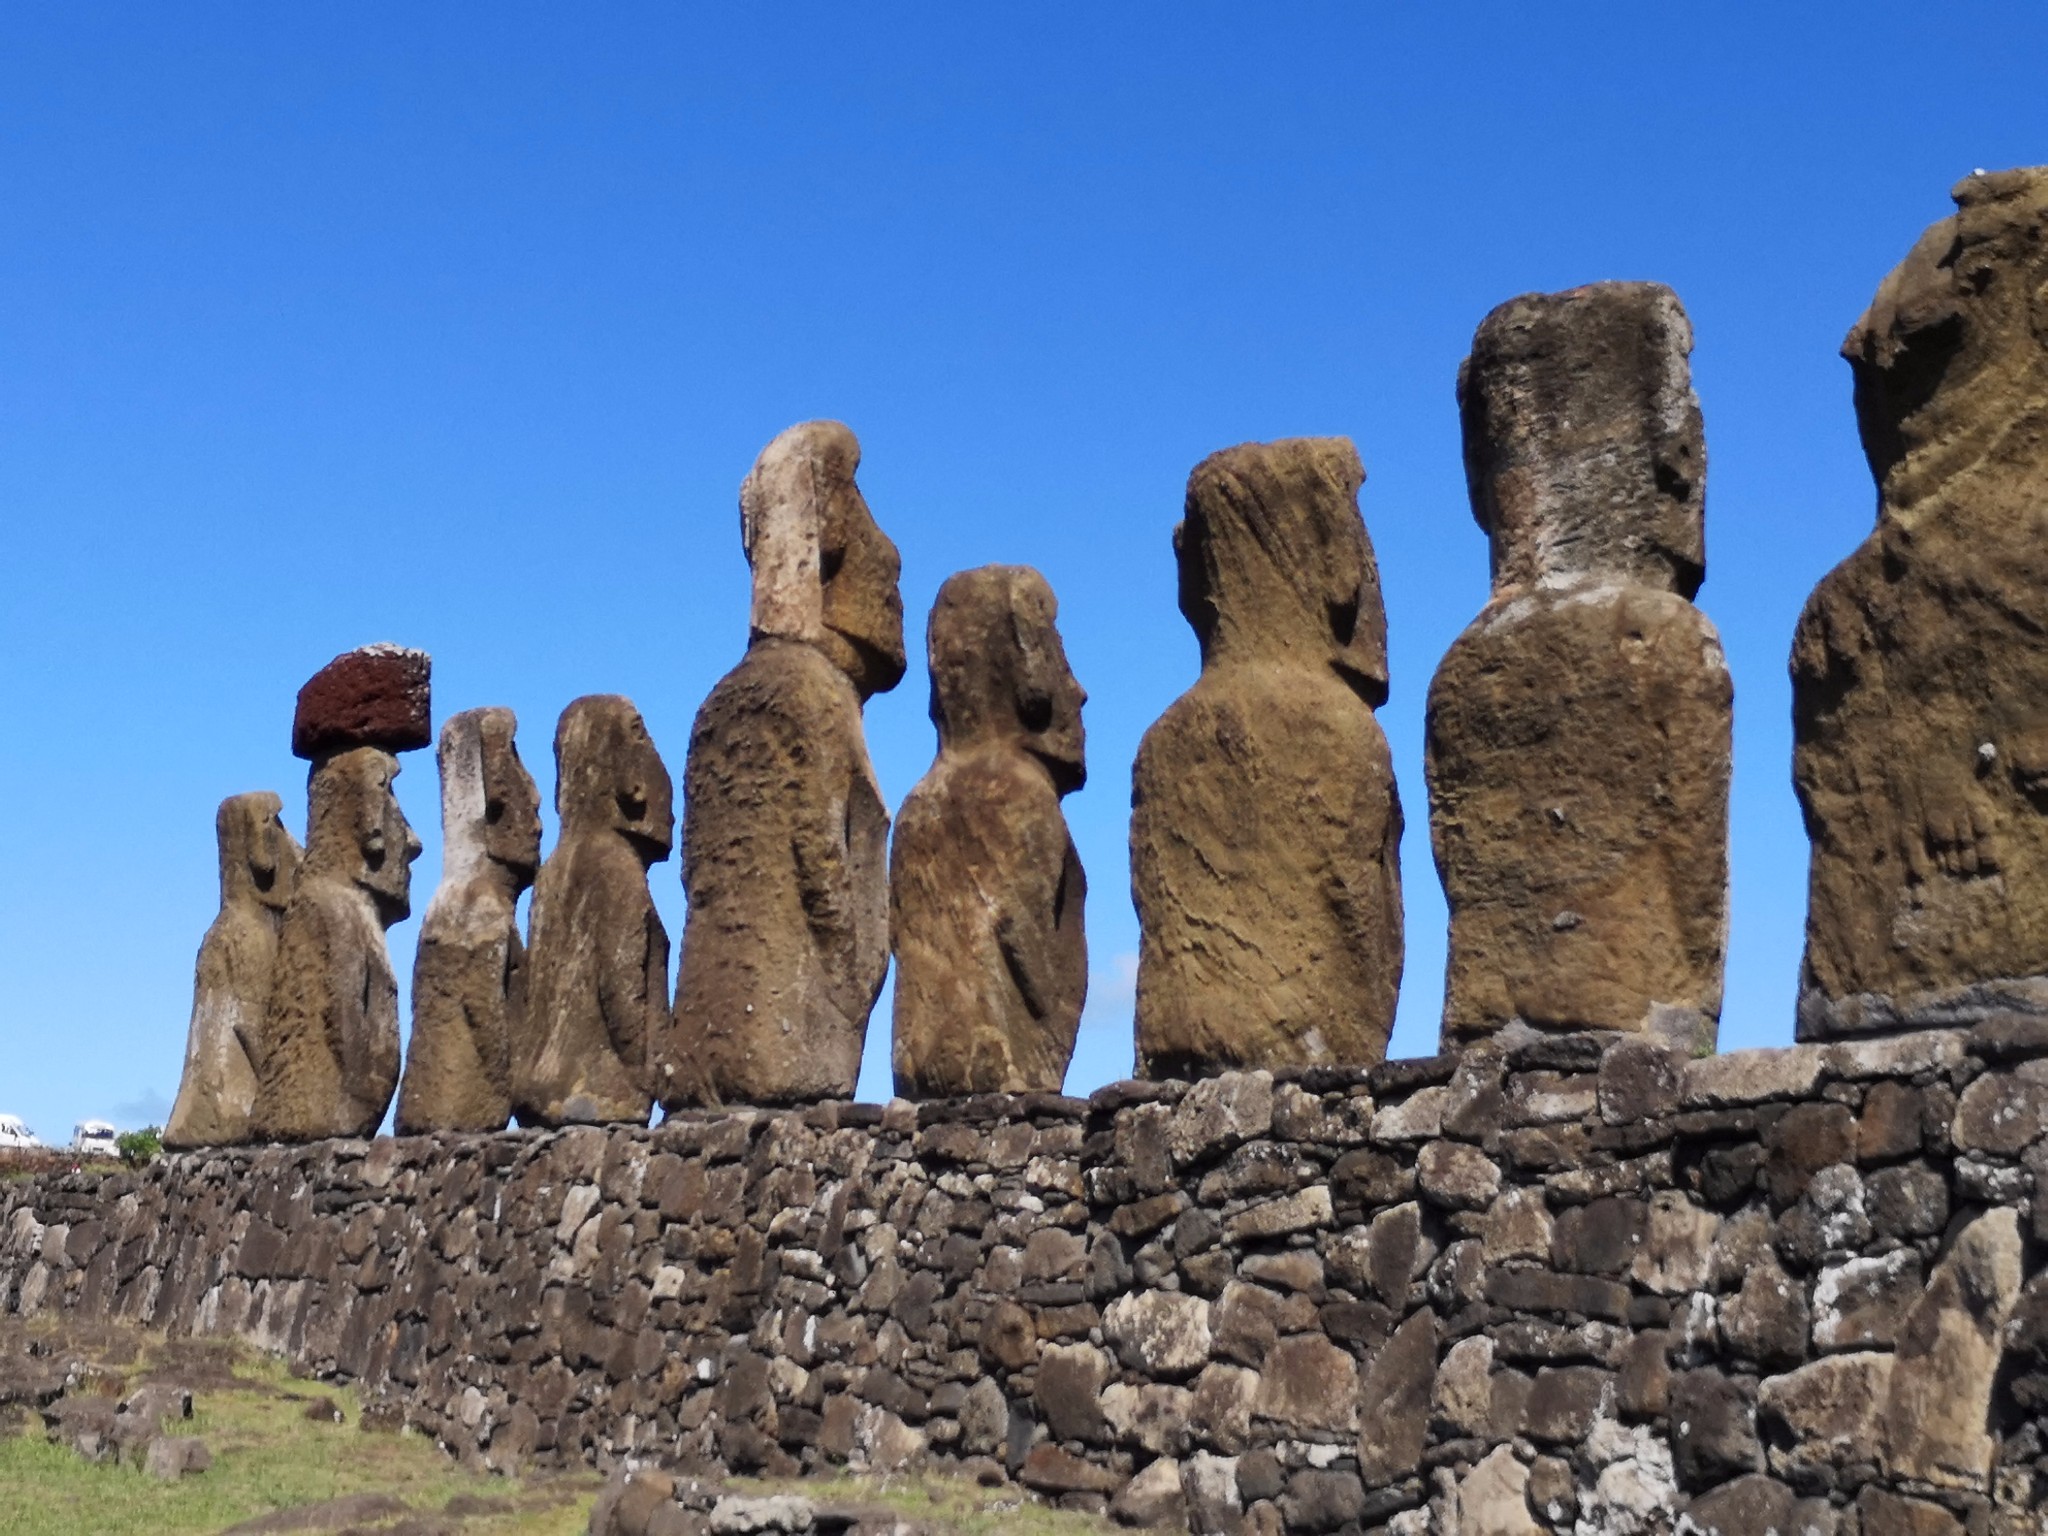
column 459, row 325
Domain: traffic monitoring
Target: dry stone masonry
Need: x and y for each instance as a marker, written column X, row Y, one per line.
column 1586, row 1285
column 987, row 891
column 1579, row 731
column 1265, row 827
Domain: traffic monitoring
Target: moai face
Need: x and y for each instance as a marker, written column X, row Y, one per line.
column 1584, row 450
column 824, row 573
column 257, row 855
column 490, row 806
column 357, row 832
column 1000, row 673
column 608, row 776
column 1952, row 346
column 1275, row 562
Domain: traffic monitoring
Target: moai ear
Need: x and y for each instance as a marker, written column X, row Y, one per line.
column 1037, row 671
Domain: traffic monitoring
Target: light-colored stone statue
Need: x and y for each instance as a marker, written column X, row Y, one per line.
column 1265, row 828
column 259, row 869
column 1579, row 729
column 1920, row 666
column 785, row 836
column 469, row 972
column 328, row 1064
column 597, row 976
column 985, row 886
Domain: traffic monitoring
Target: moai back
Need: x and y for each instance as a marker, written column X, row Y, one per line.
column 1920, row 665
column 1578, row 732
column 259, row 869
column 1265, row 828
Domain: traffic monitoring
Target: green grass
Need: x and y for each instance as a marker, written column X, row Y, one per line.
column 267, row 1456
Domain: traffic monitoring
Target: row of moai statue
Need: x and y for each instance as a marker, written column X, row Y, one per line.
column 1578, row 752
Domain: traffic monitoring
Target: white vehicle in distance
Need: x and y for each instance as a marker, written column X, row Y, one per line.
column 95, row 1136
column 15, row 1134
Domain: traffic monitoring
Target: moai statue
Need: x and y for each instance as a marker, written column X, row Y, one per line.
column 785, row 837
column 259, row 869
column 328, row 1062
column 986, row 889
column 1578, row 731
column 1920, row 666
column 468, row 974
column 1265, row 828
column 597, row 977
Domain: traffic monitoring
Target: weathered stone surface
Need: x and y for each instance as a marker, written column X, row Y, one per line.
column 1751, row 1077
column 1493, row 1498
column 1219, row 1114
column 1755, row 1505
column 1861, row 1303
column 1937, row 1414
column 469, row 972
column 1457, row 1176
column 1767, row 1320
column 376, row 696
column 1308, row 1388
column 785, row 834
column 1163, row 1333
column 328, row 1060
column 1713, row 1429
column 1678, row 1242
column 1264, row 824
column 1829, row 1413
column 1881, row 1513
column 986, row 890
column 2001, row 1114
column 1920, row 742
column 1069, row 1391
column 1579, row 729
column 1153, row 1417
column 1153, row 1500
column 584, row 1051
column 1394, row 1396
column 259, row 871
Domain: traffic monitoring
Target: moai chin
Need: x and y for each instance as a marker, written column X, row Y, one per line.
column 1578, row 731
column 1265, row 827
column 597, row 976
column 986, row 889
column 329, row 1056
column 259, row 869
column 785, row 836
column 1920, row 668
column 468, row 975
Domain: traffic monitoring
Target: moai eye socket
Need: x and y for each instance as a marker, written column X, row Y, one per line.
column 1034, row 711
column 1343, row 619
column 829, row 562
column 494, row 811
column 633, row 802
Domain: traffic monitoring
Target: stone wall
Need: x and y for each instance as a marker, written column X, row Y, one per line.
column 1582, row 1286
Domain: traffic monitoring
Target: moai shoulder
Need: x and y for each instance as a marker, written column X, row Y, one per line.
column 785, row 833
column 1578, row 733
column 468, row 975
column 259, row 869
column 597, row 975
column 1920, row 665
column 1265, row 826
column 986, row 888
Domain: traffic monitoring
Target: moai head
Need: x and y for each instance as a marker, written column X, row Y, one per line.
column 609, row 778
column 356, row 832
column 824, row 573
column 1584, row 450
column 258, row 857
column 999, row 672
column 490, row 806
column 1952, row 354
column 1275, row 562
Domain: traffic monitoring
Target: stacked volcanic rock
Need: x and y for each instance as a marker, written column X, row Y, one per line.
column 1584, row 1283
